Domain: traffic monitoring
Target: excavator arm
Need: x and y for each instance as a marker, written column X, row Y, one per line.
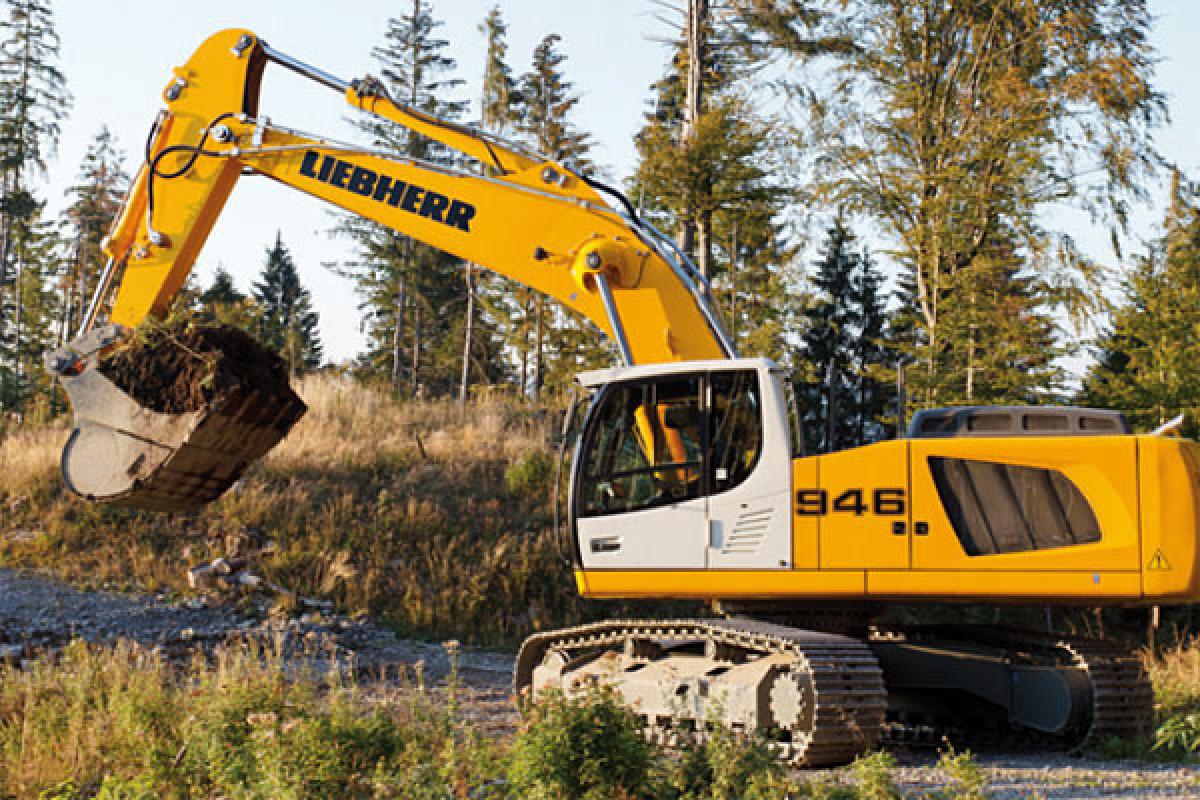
column 516, row 213
column 528, row 218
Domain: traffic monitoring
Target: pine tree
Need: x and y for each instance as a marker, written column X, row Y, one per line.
column 411, row 293
column 829, row 327
column 33, row 102
column 35, row 310
column 222, row 303
column 873, row 394
column 553, row 343
column 954, row 125
column 847, row 359
column 287, row 322
column 707, row 168
column 96, row 199
column 1148, row 361
column 497, row 113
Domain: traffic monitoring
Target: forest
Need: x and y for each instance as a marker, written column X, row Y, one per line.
column 867, row 185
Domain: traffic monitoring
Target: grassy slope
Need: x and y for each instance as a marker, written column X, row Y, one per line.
column 401, row 509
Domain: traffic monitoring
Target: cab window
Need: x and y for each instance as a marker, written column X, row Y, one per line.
column 736, row 423
column 659, row 442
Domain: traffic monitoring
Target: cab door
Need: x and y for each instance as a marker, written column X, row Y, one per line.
column 638, row 498
column 749, row 472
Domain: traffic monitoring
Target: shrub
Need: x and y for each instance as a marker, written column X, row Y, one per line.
column 873, row 774
column 531, row 474
column 588, row 747
column 966, row 780
column 727, row 766
column 1179, row 735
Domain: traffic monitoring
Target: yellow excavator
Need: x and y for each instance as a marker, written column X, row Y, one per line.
column 688, row 480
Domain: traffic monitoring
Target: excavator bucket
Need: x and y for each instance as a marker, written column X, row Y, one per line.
column 124, row 453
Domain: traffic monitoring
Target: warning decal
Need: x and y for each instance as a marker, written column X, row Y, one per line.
column 1158, row 562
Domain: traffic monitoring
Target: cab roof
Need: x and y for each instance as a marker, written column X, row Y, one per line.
column 599, row 377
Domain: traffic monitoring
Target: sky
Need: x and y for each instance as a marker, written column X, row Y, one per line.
column 117, row 56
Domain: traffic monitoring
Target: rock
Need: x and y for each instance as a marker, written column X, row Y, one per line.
column 250, row 581
column 202, row 577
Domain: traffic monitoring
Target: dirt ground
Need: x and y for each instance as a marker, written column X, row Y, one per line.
column 38, row 613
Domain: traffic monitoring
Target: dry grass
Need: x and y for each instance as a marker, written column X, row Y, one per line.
column 1175, row 673
column 348, row 426
column 121, row 723
column 398, row 508
column 29, row 454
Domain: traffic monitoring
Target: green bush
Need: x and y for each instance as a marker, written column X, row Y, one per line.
column 873, row 773
column 531, row 474
column 1178, row 735
column 728, row 766
column 588, row 747
column 966, row 780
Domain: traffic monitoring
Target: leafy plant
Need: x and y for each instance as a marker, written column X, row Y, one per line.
column 873, row 774
column 728, row 765
column 587, row 747
column 966, row 780
column 1179, row 734
column 531, row 473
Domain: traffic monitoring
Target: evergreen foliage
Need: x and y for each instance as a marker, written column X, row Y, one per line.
column 33, row 102
column 222, row 303
column 35, row 311
column 1148, row 361
column 551, row 343
column 286, row 322
column 712, row 176
column 954, row 125
column 846, row 387
column 96, row 199
column 413, row 297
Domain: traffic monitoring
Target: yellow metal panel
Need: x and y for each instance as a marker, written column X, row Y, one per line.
column 805, row 528
column 1103, row 468
column 1170, row 481
column 716, row 584
column 862, row 538
column 1004, row 587
column 535, row 225
column 213, row 82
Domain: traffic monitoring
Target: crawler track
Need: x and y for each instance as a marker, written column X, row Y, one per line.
column 844, row 701
column 1121, row 694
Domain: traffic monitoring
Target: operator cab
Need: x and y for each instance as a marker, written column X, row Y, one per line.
column 672, row 457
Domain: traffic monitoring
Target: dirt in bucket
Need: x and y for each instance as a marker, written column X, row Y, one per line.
column 178, row 367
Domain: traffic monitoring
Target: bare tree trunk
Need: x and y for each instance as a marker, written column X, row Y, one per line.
column 18, row 309
column 524, row 335
column 469, row 276
column 733, row 283
column 398, row 336
column 539, row 341
column 694, row 31
column 414, row 383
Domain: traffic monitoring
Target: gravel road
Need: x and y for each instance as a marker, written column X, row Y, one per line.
column 39, row 613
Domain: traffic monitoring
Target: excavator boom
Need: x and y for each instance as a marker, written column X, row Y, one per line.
column 519, row 214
